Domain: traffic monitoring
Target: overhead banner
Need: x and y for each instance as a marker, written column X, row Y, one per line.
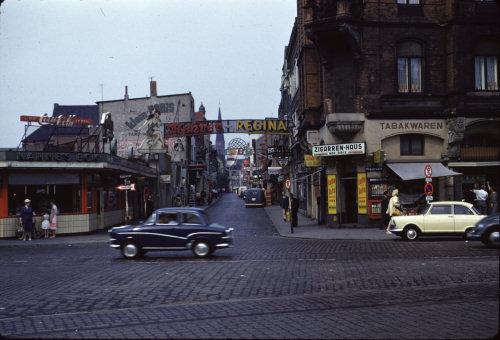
column 207, row 127
column 339, row 149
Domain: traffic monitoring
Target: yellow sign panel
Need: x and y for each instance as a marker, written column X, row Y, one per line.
column 312, row 161
column 362, row 194
column 332, row 194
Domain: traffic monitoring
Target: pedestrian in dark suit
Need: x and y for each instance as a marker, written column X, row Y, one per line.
column 284, row 204
column 294, row 207
column 385, row 204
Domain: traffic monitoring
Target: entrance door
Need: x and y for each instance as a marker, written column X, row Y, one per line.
column 350, row 202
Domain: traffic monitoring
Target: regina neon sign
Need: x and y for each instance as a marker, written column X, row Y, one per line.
column 266, row 126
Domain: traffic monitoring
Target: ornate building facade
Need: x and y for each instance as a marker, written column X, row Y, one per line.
column 414, row 82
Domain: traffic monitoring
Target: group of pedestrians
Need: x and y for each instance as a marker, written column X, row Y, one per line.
column 484, row 198
column 27, row 220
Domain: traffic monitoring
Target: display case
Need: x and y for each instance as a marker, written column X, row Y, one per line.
column 377, row 189
column 375, row 209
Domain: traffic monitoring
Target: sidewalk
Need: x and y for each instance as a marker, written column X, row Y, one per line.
column 308, row 228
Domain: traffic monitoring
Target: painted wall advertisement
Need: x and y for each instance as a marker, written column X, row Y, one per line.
column 362, row 193
column 332, row 194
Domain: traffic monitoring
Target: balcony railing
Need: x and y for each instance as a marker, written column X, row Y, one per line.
column 480, row 153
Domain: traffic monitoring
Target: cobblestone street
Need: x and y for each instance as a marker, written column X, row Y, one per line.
column 267, row 286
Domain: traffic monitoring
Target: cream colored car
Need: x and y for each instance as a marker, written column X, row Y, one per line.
column 438, row 218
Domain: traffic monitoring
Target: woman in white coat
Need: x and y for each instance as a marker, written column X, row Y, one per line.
column 393, row 208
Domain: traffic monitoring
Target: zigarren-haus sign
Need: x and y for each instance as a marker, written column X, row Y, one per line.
column 339, row 149
column 267, row 126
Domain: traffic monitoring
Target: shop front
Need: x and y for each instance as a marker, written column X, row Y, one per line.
column 83, row 185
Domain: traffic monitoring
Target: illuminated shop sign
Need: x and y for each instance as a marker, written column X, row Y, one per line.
column 258, row 126
column 339, row 149
column 59, row 120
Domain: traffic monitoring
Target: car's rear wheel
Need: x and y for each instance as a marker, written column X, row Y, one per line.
column 130, row 250
column 492, row 238
column 201, row 248
column 410, row 233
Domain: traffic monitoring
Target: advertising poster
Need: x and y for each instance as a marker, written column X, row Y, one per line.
column 332, row 194
column 362, row 195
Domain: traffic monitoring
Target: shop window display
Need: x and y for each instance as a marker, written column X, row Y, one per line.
column 67, row 197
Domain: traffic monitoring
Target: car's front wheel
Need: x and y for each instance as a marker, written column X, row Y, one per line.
column 131, row 250
column 410, row 233
column 201, row 248
column 492, row 238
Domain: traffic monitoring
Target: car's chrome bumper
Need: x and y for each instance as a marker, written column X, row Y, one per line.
column 474, row 235
column 395, row 230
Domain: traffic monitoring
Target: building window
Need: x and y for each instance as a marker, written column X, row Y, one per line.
column 408, row 2
column 486, row 72
column 409, row 67
column 486, row 66
column 411, row 145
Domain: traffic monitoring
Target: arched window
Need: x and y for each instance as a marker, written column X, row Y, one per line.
column 411, row 145
column 410, row 55
column 486, row 66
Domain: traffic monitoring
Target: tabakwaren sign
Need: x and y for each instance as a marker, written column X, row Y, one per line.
column 207, row 127
column 339, row 149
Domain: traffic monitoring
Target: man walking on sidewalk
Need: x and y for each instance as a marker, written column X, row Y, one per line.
column 284, row 204
column 294, row 207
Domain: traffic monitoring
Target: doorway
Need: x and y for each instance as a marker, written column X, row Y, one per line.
column 350, row 201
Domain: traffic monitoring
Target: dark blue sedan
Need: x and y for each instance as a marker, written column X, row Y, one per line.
column 172, row 229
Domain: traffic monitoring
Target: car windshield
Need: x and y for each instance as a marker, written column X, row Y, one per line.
column 426, row 209
column 151, row 219
column 206, row 218
column 476, row 211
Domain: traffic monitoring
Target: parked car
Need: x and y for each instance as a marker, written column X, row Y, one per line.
column 254, row 198
column 438, row 218
column 241, row 191
column 172, row 229
column 487, row 230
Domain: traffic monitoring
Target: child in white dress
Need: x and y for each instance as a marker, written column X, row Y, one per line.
column 46, row 223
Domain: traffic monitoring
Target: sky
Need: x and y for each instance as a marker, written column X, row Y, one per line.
column 77, row 52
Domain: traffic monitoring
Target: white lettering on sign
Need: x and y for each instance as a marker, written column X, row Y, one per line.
column 339, row 149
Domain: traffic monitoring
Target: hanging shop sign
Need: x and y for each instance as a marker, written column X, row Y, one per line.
column 378, row 157
column 165, row 178
column 274, row 170
column 332, row 194
column 312, row 161
column 313, row 137
column 265, row 126
column 59, row 120
column 362, row 193
column 339, row 149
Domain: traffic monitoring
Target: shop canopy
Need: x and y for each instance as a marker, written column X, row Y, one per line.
column 409, row 171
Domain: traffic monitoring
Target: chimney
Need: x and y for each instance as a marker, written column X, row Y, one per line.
column 152, row 88
column 126, row 92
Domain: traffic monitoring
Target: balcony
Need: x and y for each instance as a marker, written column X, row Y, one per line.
column 480, row 153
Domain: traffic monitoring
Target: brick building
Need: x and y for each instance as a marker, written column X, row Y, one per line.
column 411, row 81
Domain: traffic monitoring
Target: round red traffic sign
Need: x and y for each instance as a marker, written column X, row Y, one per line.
column 288, row 183
column 428, row 189
column 428, row 171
